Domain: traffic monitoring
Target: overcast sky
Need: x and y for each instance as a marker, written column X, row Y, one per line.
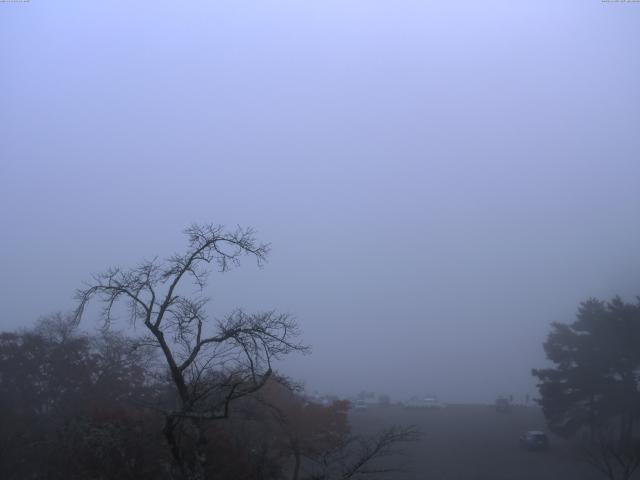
column 439, row 180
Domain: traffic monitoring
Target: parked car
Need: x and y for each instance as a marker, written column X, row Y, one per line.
column 432, row 402
column 534, row 440
column 423, row 402
column 359, row 405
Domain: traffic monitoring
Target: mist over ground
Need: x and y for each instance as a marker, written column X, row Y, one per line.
column 438, row 180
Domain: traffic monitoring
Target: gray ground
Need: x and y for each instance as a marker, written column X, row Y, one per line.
column 466, row 442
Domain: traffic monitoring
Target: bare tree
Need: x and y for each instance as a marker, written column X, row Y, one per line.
column 210, row 363
column 363, row 456
column 616, row 458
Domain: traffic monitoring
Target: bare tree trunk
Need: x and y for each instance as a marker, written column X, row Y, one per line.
column 169, row 434
column 200, row 460
column 186, row 467
column 296, row 455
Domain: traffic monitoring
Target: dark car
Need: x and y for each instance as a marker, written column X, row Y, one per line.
column 534, row 440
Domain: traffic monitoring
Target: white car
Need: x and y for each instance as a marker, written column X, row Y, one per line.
column 423, row 402
column 359, row 405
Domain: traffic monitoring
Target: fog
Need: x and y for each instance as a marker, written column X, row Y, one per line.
column 439, row 181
